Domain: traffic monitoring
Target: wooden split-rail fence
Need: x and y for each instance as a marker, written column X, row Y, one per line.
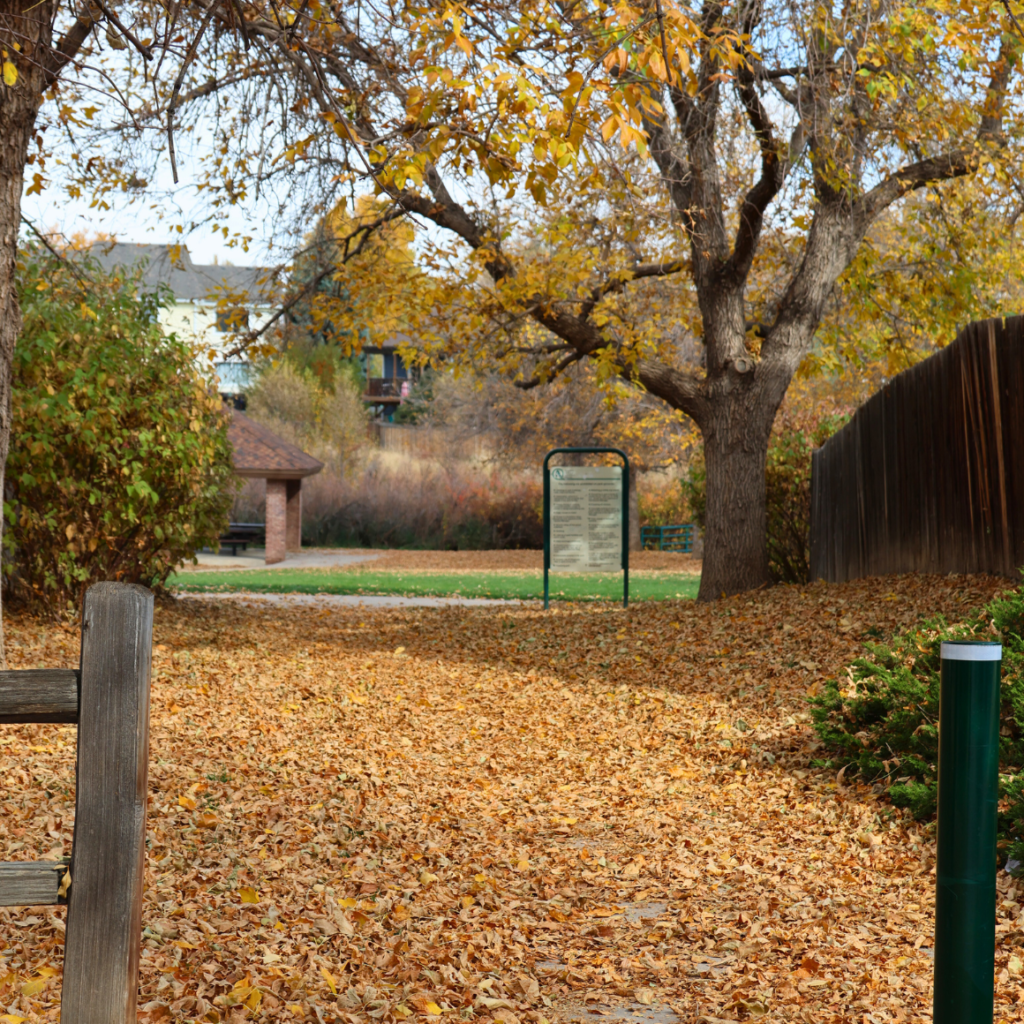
column 928, row 476
column 108, row 698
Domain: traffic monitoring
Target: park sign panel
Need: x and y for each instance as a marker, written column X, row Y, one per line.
column 586, row 517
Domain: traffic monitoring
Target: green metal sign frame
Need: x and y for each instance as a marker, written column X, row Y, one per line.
column 625, row 512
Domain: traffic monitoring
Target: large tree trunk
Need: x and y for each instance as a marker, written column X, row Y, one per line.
column 735, row 451
column 19, row 104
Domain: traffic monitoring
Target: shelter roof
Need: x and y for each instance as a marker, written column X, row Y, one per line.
column 171, row 265
column 259, row 452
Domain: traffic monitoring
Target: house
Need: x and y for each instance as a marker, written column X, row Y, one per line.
column 388, row 379
column 212, row 302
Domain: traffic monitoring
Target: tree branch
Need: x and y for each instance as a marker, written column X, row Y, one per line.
column 956, row 164
column 111, row 16
column 68, row 47
column 366, row 230
column 773, row 173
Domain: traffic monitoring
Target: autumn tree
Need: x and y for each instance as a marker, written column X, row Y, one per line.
column 732, row 132
column 743, row 148
column 94, row 84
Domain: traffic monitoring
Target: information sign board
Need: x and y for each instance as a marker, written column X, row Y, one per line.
column 586, row 518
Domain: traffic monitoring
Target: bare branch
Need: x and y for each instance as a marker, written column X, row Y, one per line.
column 68, row 47
column 111, row 16
column 189, row 57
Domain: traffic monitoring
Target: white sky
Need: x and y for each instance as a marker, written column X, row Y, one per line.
column 134, row 219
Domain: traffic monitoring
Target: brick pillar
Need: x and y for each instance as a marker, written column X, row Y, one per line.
column 277, row 519
column 293, row 528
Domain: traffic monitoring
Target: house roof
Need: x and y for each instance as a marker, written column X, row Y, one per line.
column 171, row 265
column 260, row 452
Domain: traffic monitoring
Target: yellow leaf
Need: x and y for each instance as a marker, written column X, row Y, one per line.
column 31, row 988
column 401, row 1010
column 187, row 802
column 10, row 1018
column 10, row 77
column 249, row 895
column 347, row 902
column 65, row 884
column 433, row 1009
column 329, row 978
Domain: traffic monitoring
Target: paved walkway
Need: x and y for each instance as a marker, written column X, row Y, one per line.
column 356, row 600
column 253, row 559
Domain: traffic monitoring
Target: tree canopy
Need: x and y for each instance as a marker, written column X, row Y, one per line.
column 626, row 184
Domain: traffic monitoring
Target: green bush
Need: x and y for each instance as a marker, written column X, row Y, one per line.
column 119, row 466
column 788, row 492
column 880, row 722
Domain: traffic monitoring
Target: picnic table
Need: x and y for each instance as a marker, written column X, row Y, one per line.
column 240, row 535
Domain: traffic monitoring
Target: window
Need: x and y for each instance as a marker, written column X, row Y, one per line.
column 231, row 320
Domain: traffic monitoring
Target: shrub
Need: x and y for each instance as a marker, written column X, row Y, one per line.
column 404, row 503
column 314, row 404
column 662, row 503
column 119, row 466
column 881, row 721
column 788, row 492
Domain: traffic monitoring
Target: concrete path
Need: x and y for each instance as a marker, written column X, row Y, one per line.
column 253, row 559
column 358, row 600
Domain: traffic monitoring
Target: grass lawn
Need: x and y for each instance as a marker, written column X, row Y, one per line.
column 511, row 586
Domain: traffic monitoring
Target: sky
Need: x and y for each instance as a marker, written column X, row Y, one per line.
column 137, row 221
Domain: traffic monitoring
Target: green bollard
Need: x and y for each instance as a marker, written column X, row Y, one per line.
column 965, row 883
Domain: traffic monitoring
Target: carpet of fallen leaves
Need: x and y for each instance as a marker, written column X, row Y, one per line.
column 504, row 815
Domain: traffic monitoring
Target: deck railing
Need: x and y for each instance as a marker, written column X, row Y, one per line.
column 667, row 538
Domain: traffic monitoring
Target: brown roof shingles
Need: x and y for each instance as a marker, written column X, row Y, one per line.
column 260, row 452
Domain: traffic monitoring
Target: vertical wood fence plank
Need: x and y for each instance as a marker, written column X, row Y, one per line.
column 927, row 476
column 101, row 959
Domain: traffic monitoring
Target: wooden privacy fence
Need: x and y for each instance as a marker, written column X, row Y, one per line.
column 928, row 476
column 109, row 699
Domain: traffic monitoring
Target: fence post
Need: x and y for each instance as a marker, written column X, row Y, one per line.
column 104, row 926
column 965, row 870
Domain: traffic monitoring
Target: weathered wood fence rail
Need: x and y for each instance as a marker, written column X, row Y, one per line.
column 928, row 476
column 108, row 697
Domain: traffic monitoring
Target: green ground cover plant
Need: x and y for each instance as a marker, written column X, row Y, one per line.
column 881, row 721
column 509, row 586
column 120, row 466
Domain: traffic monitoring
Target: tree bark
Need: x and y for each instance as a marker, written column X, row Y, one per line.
column 735, row 450
column 29, row 24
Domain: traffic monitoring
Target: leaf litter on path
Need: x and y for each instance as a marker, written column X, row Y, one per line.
column 504, row 816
